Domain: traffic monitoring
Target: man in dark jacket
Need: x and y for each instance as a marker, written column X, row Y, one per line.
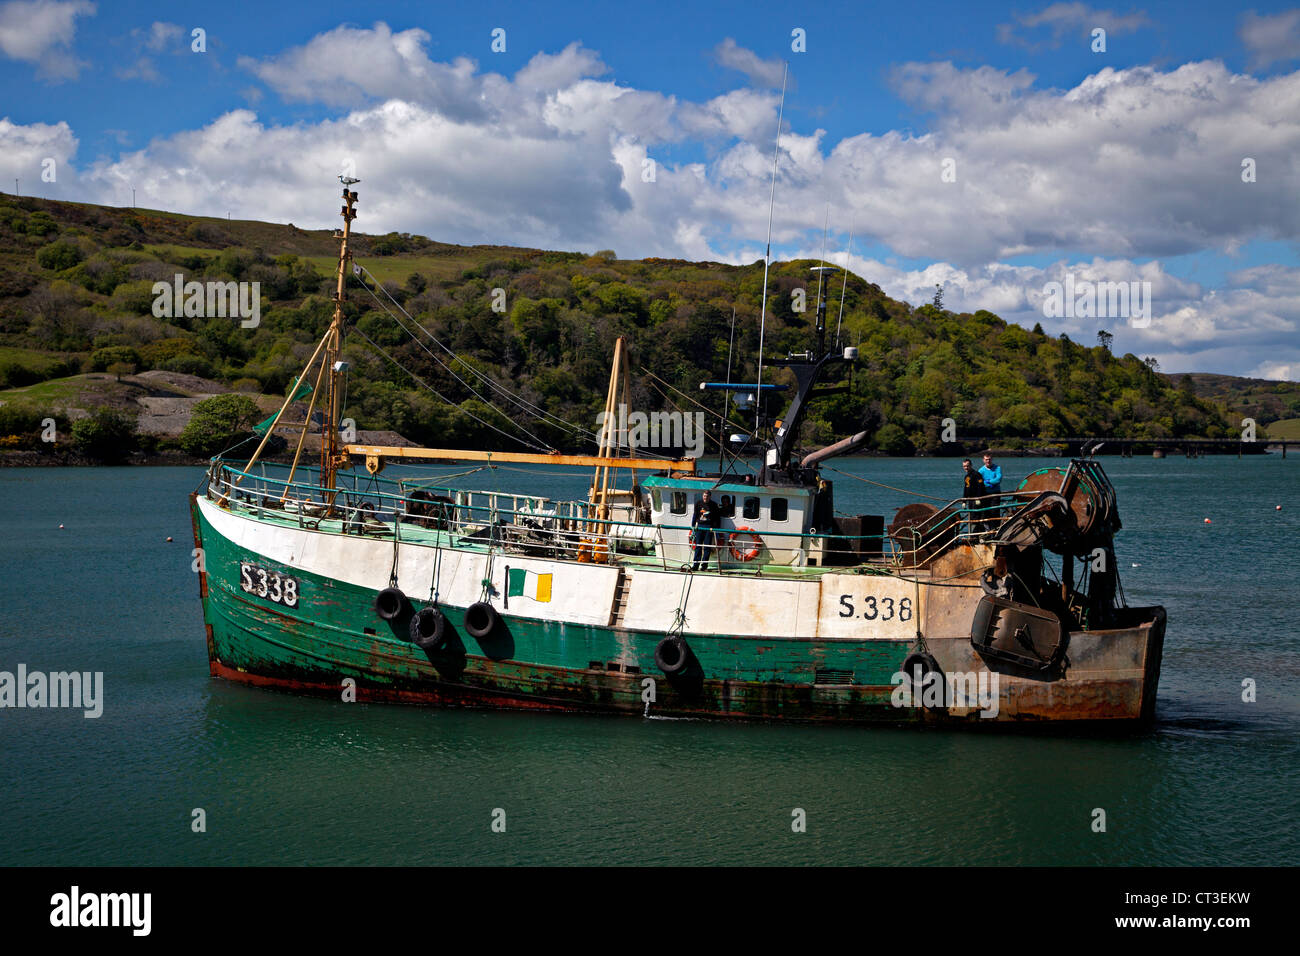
column 972, row 489
column 704, row 525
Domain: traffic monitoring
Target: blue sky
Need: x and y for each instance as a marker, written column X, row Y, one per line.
column 1114, row 165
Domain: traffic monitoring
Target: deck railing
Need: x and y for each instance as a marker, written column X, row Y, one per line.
column 381, row 507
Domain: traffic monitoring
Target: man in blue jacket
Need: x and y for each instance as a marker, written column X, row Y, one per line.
column 992, row 475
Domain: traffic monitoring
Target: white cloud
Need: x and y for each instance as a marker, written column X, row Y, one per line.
column 1277, row 371
column 41, row 32
column 23, row 149
column 141, row 69
column 1271, row 39
column 349, row 67
column 1193, row 328
column 760, row 72
column 160, row 35
column 1062, row 19
column 1126, row 165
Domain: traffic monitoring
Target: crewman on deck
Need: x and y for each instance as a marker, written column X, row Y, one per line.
column 992, row 475
column 972, row 490
column 704, row 524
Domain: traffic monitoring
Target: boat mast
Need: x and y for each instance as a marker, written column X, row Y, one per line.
column 330, row 457
column 767, row 259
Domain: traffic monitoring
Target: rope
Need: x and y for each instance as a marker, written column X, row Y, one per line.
column 880, row 484
column 723, row 451
column 538, row 412
column 444, row 399
column 422, row 482
column 467, row 386
column 434, row 590
column 679, row 615
column 392, row 574
column 678, row 408
column 919, row 646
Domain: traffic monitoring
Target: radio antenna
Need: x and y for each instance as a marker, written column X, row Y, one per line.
column 767, row 256
column 848, row 257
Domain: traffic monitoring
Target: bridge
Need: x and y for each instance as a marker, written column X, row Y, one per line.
column 1191, row 447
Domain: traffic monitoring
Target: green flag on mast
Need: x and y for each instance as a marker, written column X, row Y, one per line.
column 264, row 425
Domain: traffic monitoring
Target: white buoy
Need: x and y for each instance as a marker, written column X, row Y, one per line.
column 1207, row 520
column 60, row 527
column 169, row 539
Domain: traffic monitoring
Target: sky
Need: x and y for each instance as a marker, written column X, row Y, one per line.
column 990, row 149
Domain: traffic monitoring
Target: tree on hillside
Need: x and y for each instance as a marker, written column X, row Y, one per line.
column 217, row 423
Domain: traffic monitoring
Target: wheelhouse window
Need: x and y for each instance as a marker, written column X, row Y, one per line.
column 751, row 508
column 727, row 505
column 679, row 503
column 780, row 509
column 657, row 499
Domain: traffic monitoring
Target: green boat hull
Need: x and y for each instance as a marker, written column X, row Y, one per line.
column 333, row 643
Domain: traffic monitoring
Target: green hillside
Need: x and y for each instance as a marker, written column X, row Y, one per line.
column 76, row 298
column 1261, row 399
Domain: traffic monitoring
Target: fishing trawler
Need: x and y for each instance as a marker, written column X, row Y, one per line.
column 337, row 580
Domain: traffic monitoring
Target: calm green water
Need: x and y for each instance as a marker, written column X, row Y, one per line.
column 286, row 780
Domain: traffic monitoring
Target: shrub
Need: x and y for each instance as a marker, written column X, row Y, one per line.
column 106, row 435
column 190, row 365
column 16, row 375
column 206, row 233
column 41, row 223
column 58, row 255
column 218, row 423
column 156, row 353
column 101, row 359
column 27, row 423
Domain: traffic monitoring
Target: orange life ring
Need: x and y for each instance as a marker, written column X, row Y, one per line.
column 750, row 553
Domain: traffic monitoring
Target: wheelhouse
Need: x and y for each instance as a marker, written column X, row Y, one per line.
column 761, row 524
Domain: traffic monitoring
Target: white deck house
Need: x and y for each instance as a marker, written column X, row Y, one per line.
column 760, row 524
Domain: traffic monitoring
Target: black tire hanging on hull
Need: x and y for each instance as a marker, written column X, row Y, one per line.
column 429, row 629
column 672, row 655
column 481, row 619
column 390, row 604
column 927, row 665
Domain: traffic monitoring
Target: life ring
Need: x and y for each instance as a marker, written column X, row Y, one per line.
column 390, row 604
column 480, row 618
column 750, row 553
column 672, row 655
column 429, row 629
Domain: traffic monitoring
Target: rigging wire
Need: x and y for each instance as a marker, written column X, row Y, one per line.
column 452, row 373
column 915, row 494
column 848, row 259
column 767, row 256
column 443, row 398
column 535, row 410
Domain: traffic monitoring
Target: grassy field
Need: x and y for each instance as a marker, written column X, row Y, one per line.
column 35, row 359
column 1285, row 428
column 55, row 393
